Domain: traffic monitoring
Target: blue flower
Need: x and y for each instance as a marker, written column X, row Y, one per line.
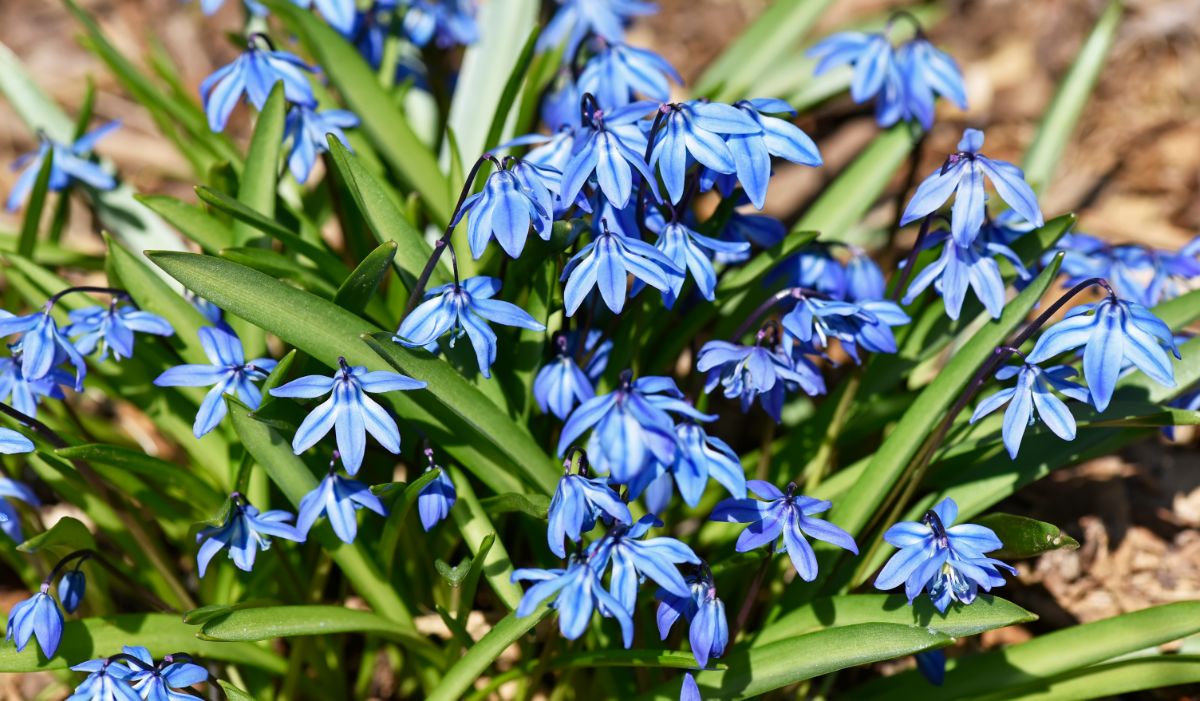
column 632, row 426
column 609, row 145
column 757, row 372
column 962, row 176
column 43, row 345
column 107, row 681
column 164, row 681
column 456, row 309
column 708, row 631
column 338, row 498
column 561, row 384
column 958, row 267
column 867, row 324
column 1113, row 333
column 1148, row 275
column 752, row 151
column 349, row 411
column 816, row 268
column 788, row 516
column 69, row 165
column 436, row 499
column 10, row 520
column 577, row 503
column 560, row 105
column 757, row 229
column 607, row 262
column 452, row 22
column 511, row 202
column 308, row 129
column 245, row 532
column 932, row 665
column 38, row 616
column 338, row 14
column 927, row 72
column 579, row 591
column 24, row 394
column 253, row 74
column 871, row 55
column 697, row 129
column 634, row 559
column 1033, row 391
column 576, row 19
column 689, row 690
column 618, row 73
column 864, row 279
column 113, row 327
column 950, row 561
column 71, row 588
column 698, row 456
column 689, row 250
column 229, row 373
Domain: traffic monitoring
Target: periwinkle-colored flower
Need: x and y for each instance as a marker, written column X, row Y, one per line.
column 107, row 680
column 164, row 681
column 561, row 384
column 757, row 372
column 36, row 617
column 71, row 588
column 708, row 630
column 436, row 499
column 24, row 394
column 308, row 131
column 696, row 131
column 610, row 146
column 447, row 22
column 244, row 533
column 510, row 204
column 42, row 345
column 1033, row 396
column 691, row 251
column 112, row 327
column 10, row 520
column 777, row 137
column 339, row 499
column 579, row 593
column 959, row 267
column 576, row 19
column 253, row 74
column 70, row 164
column 606, row 263
column 618, row 74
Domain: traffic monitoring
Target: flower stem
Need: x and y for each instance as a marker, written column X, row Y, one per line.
column 911, row 261
column 114, row 291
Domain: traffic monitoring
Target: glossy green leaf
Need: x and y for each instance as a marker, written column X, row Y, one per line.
column 661, row 659
column 280, row 266
column 233, row 693
column 535, row 505
column 459, row 574
column 34, row 205
column 358, row 289
column 202, row 228
column 460, row 677
column 1111, row 680
column 260, row 177
column 1025, row 537
column 154, row 469
column 66, row 535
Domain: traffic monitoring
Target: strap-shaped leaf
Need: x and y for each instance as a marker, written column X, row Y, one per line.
column 260, row 177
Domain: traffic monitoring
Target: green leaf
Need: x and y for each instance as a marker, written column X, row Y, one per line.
column 382, row 120
column 161, row 633
column 280, row 266
column 535, row 505
column 1142, row 415
column 232, row 693
column 987, row 613
column 1060, row 119
column 403, row 496
column 260, row 178
column 202, row 228
column 516, row 78
column 66, row 535
column 1046, row 655
column 1112, row 680
column 33, row 208
column 359, row 287
column 460, row 677
column 476, row 529
column 457, row 575
column 660, row 659
column 139, row 463
column 1025, row 537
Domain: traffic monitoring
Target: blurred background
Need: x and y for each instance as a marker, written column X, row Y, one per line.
column 1131, row 173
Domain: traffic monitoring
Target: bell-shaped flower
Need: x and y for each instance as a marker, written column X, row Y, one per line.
column 782, row 520
column 10, row 520
column 928, row 72
column 36, row 617
column 815, row 267
column 708, row 629
column 254, row 74
column 634, row 559
column 577, row 504
column 949, row 561
column 864, row 279
column 576, row 19
column 447, row 22
column 307, row 130
column 348, row 411
column 164, row 681
column 43, row 345
column 1113, row 333
column 70, row 164
column 871, row 55
column 107, row 680
column 71, row 588
column 339, row 498
column 512, row 201
column 758, row 229
column 112, row 327
column 618, row 74
column 757, row 372
column 866, row 324
column 24, row 394
column 691, row 251
column 561, row 384
column 606, row 263
column 435, row 500
column 959, row 267
column 697, row 130
column 962, row 176
column 229, row 373
column 698, row 457
column 611, row 146
column 244, row 533
column 776, row 137
column 1033, row 391
column 463, row 308
column 579, row 593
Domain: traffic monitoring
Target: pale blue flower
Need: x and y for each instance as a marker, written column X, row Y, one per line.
column 577, row 504
column 618, row 74
column 112, row 327
column 107, row 680
column 450, row 22
column 576, row 19
column 959, row 267
column 70, row 165
column 253, row 74
column 634, row 559
column 308, row 130
column 610, row 146
column 752, row 151
column 606, row 263
column 871, row 55
column 10, row 520
column 698, row 456
column 757, row 372
column 579, row 593
column 1033, row 391
column 691, row 251
column 926, row 73
column 512, row 202
column 696, row 131
column 36, row 617
column 43, row 345
column 561, row 384
column 758, row 229
column 435, row 500
column 338, row 14
column 24, row 394
column 166, row 680
column 244, row 533
column 708, row 630
column 338, row 498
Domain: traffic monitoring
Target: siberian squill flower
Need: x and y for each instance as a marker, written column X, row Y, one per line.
column 13, row 442
column 864, row 279
column 245, row 532
column 107, row 680
column 782, row 520
column 631, row 425
column 692, row 251
column 308, row 130
column 1084, row 257
column 450, row 22
column 436, row 499
column 112, row 327
column 579, row 593
column 816, row 268
column 949, row 561
column 38, row 616
column 254, row 74
column 43, row 345
column 697, row 130
column 927, row 72
column 634, row 559
column 871, row 55
column 606, row 263
column 1033, row 391
column 70, row 164
column 24, row 394
column 698, row 456
column 752, row 151
column 577, row 504
column 708, row 629
column 166, row 680
column 867, row 323
column 689, row 690
column 229, row 373
column 959, row 267
column 338, row 14
column 619, row 73
column 962, row 176
column 611, row 146
column 10, row 520
column 561, row 384
column 458, row 308
column 512, row 201
column 339, row 498
column 71, row 588
column 1113, row 333
column 576, row 19
column 758, row 229
column 757, row 372
column 1149, row 275
column 348, row 411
